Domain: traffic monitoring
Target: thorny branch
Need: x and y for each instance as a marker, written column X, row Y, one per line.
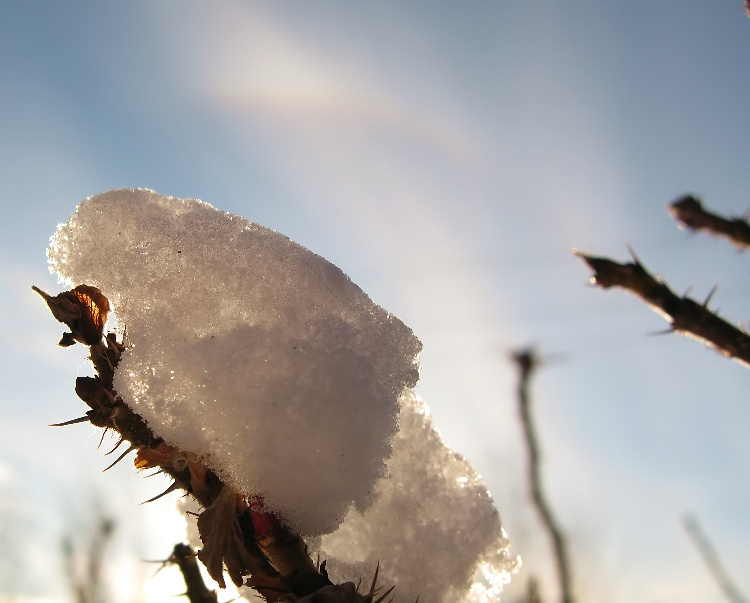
column 685, row 315
column 239, row 535
column 185, row 558
column 712, row 561
column 527, row 361
column 690, row 213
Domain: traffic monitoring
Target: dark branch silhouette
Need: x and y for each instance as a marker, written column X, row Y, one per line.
column 711, row 559
column 527, row 360
column 184, row 557
column 685, row 315
column 690, row 213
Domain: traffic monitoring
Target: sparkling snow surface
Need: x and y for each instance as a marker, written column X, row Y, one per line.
column 263, row 357
column 433, row 528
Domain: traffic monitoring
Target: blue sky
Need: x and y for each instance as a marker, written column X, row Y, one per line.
column 447, row 156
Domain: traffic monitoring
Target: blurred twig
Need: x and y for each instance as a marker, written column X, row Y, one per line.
column 533, row 594
column 184, row 557
column 685, row 315
column 711, row 559
column 690, row 213
column 87, row 585
column 527, row 360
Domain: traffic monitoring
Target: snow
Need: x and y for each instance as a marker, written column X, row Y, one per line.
column 433, row 529
column 265, row 359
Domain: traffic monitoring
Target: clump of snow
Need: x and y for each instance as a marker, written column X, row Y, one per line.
column 263, row 357
column 433, row 529
column 246, row 348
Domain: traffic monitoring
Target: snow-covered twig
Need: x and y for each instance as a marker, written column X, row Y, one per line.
column 271, row 388
column 685, row 315
column 236, row 534
column 527, row 361
column 690, row 213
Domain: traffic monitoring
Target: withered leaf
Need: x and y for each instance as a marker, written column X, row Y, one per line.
column 83, row 309
column 160, row 455
column 221, row 534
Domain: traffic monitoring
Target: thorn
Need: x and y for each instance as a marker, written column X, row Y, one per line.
column 162, row 565
column 385, row 594
column 120, row 441
column 71, row 422
column 119, row 458
column 375, row 578
column 687, row 291
column 99, row 445
column 667, row 331
column 157, row 472
column 174, row 486
column 710, row 295
column 636, row 259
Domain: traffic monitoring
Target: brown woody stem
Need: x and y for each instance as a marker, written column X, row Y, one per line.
column 527, row 361
column 185, row 558
column 690, row 213
column 685, row 315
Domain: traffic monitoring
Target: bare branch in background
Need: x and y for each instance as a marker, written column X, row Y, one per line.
column 711, row 559
column 86, row 584
column 184, row 557
column 690, row 213
column 527, row 360
column 685, row 315
column 533, row 592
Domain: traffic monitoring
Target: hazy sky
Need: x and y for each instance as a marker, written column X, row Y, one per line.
column 447, row 156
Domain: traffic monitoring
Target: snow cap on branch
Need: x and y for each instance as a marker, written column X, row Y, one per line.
column 245, row 348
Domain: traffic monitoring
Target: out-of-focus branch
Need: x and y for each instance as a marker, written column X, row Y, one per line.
column 533, row 594
column 184, row 557
column 86, row 585
column 690, row 213
column 711, row 559
column 527, row 360
column 684, row 314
